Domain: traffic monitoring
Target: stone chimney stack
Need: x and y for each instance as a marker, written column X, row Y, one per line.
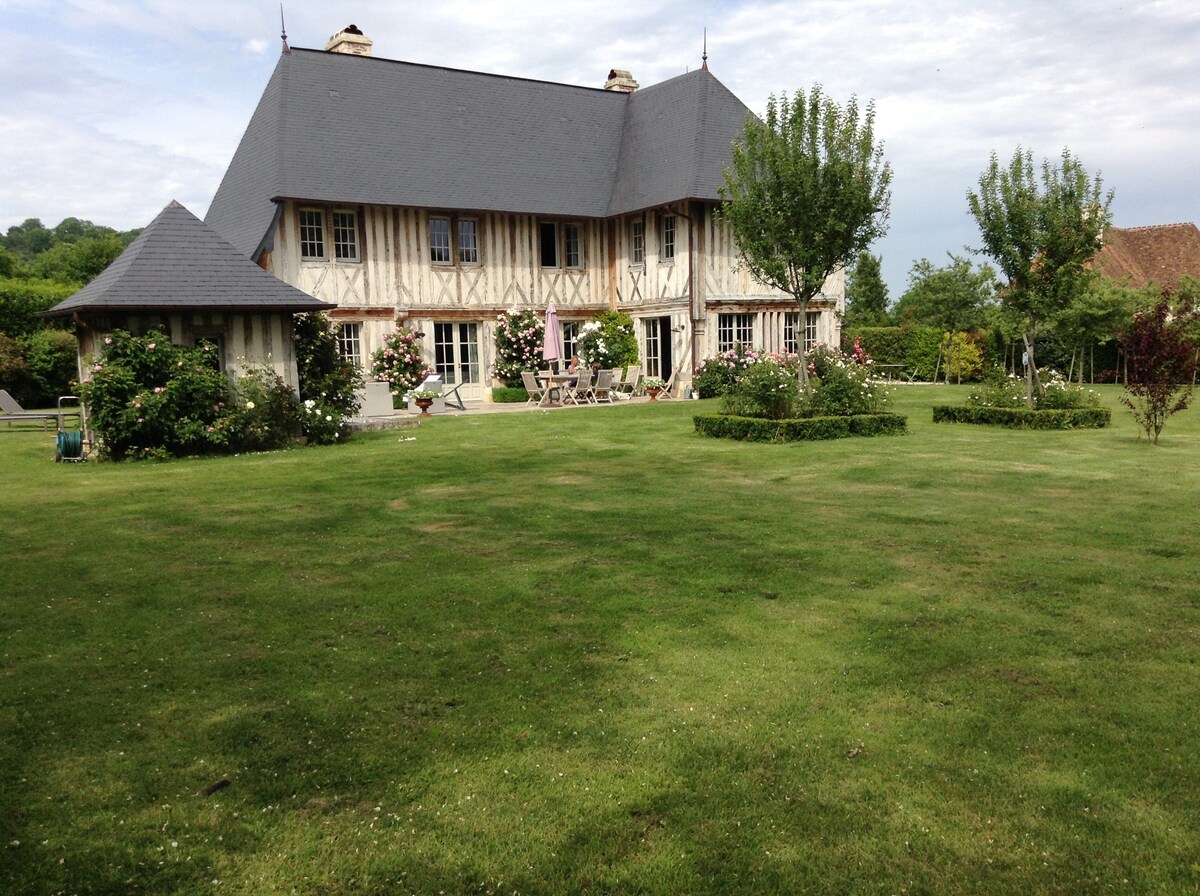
column 350, row 40
column 620, row 80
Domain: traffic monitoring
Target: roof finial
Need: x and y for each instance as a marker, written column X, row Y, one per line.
column 283, row 31
column 704, row 56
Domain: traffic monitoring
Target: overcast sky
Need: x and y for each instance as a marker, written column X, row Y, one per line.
column 112, row 108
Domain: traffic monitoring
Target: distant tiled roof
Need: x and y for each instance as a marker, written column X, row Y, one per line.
column 1162, row 254
column 178, row 262
column 337, row 128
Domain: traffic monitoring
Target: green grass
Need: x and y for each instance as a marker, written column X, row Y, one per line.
column 591, row 651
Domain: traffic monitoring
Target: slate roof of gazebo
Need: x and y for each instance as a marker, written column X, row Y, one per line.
column 178, row 262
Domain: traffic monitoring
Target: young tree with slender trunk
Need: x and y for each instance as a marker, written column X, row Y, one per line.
column 1161, row 352
column 1041, row 235
column 807, row 191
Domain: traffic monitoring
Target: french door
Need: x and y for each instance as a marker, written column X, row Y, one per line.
column 657, row 360
column 456, row 358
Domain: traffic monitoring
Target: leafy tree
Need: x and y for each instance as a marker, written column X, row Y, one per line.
column 8, row 263
column 78, row 262
column 866, row 293
column 1161, row 353
column 1041, row 234
column 956, row 297
column 806, row 192
column 1096, row 316
column 29, row 238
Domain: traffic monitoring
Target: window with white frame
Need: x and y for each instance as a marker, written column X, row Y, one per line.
column 811, row 320
column 339, row 240
column 572, row 245
column 570, row 338
column 312, row 233
column 637, row 242
column 560, row 244
column 734, row 330
column 439, row 240
column 468, row 241
column 668, row 238
column 345, row 236
column 350, row 343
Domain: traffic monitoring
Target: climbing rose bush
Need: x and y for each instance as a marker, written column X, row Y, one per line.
column 519, row 340
column 399, row 363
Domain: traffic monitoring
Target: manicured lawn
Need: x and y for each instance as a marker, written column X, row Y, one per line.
column 592, row 652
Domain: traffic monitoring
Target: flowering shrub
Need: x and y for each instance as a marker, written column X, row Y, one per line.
column 1000, row 391
column 519, row 340
column 842, row 384
column 322, row 423
column 398, row 363
column 718, row 375
column 325, row 376
column 767, row 387
column 148, row 398
column 607, row 341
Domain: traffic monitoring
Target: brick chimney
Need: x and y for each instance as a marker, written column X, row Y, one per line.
column 350, row 40
column 620, row 80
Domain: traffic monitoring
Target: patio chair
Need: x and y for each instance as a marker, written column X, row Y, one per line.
column 628, row 386
column 536, row 391
column 668, row 391
column 580, row 392
column 10, row 410
column 602, row 390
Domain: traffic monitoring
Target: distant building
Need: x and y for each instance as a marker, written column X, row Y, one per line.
column 437, row 198
column 1161, row 255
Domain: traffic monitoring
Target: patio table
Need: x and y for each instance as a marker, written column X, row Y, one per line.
column 554, row 384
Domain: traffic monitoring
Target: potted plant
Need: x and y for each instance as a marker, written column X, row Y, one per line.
column 423, row 398
column 653, row 385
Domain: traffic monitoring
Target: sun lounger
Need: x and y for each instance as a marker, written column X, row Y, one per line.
column 11, row 410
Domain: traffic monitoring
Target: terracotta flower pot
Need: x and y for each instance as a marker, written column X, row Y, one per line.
column 424, row 404
column 653, row 393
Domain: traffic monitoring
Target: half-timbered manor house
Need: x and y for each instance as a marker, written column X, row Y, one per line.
column 436, row 198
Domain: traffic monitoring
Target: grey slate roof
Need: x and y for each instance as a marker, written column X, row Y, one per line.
column 179, row 262
column 338, row 128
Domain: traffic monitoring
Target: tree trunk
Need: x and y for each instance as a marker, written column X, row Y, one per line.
column 1032, row 379
column 801, row 330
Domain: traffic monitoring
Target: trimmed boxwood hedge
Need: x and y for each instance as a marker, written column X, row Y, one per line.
column 756, row 429
column 1023, row 418
column 509, row 394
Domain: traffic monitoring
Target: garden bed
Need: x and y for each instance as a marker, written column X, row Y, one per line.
column 806, row 429
column 1024, row 418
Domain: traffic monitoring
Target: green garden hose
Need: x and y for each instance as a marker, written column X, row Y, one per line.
column 70, row 445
